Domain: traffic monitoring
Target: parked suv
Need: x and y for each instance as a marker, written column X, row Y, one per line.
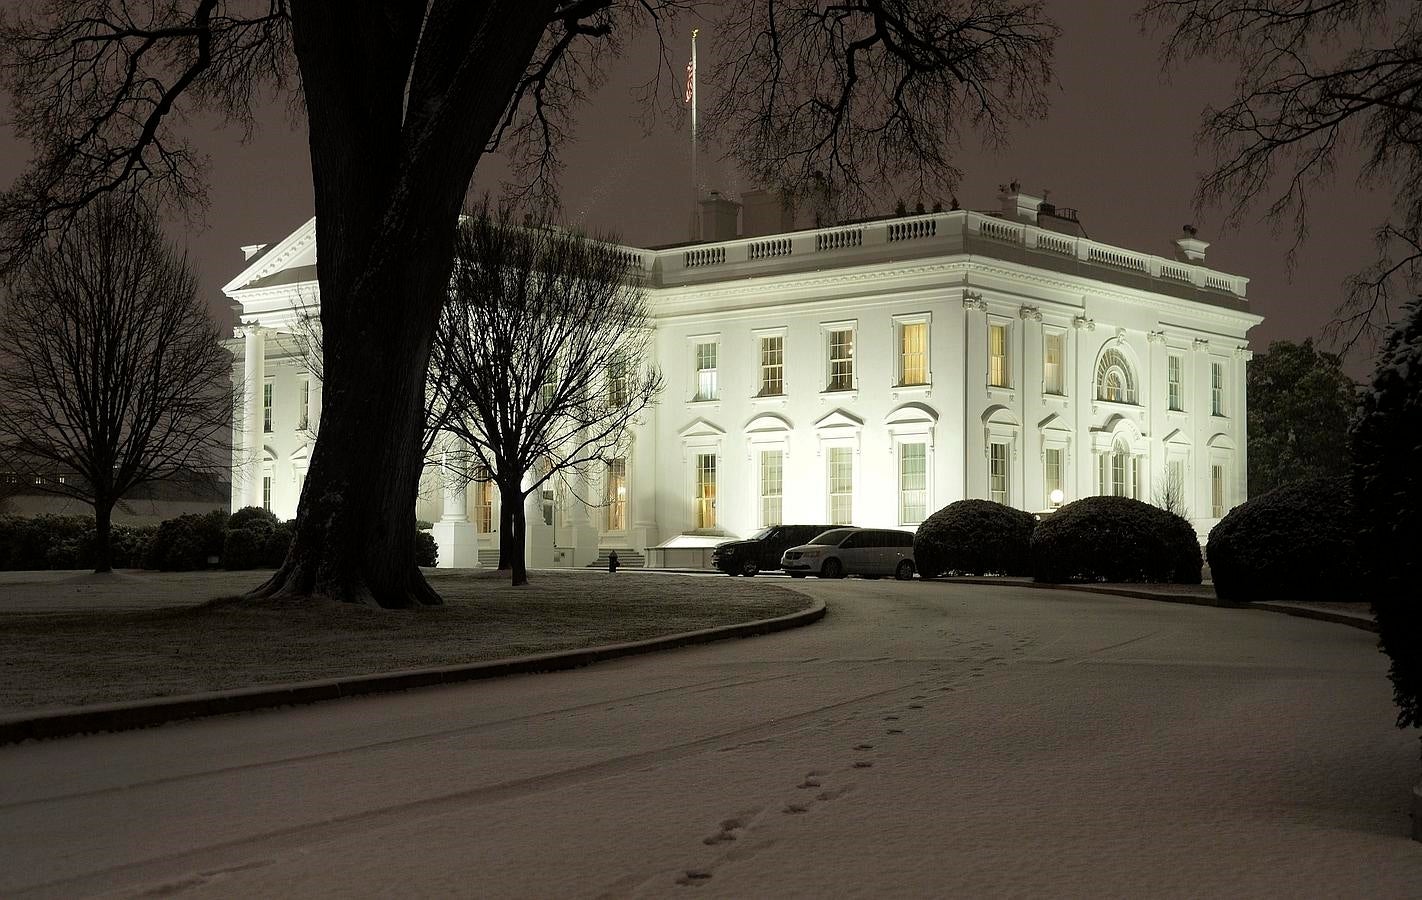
column 870, row 552
column 762, row 550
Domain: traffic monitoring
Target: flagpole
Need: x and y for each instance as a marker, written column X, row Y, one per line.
column 695, row 180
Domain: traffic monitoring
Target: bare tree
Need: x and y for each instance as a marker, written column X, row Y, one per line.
column 110, row 368
column 542, row 341
column 1316, row 79
column 1171, row 492
column 402, row 100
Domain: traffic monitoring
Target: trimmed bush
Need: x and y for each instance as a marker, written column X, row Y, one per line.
column 277, row 543
column 974, row 537
column 67, row 542
column 426, row 550
column 1115, row 539
column 248, row 515
column 1387, row 497
column 187, row 542
column 242, row 548
column 1294, row 541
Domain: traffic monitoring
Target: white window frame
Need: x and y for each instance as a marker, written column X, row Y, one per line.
column 303, row 403
column 901, row 492
column 1176, row 386
column 762, row 453
column 1051, row 331
column 900, row 322
column 1217, row 388
column 616, row 519
column 1060, row 451
column 1003, row 496
column 268, row 406
column 1219, row 487
column 1005, row 324
column 827, row 332
column 834, row 452
column 758, row 337
column 1106, row 365
column 705, row 389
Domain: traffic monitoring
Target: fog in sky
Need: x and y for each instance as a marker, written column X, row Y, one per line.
column 1118, row 145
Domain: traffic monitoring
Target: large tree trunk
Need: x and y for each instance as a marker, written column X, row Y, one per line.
column 392, row 154
column 103, row 535
column 513, row 535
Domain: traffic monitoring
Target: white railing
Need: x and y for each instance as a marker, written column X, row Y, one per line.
column 838, row 240
column 952, row 231
column 770, row 249
column 1056, row 243
column 1000, row 230
column 912, row 229
column 1118, row 258
column 705, row 256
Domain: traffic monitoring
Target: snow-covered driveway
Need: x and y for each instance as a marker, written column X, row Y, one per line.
column 924, row 740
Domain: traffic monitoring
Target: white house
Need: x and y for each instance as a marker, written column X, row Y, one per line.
column 867, row 373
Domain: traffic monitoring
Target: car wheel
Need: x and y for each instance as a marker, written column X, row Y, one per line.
column 832, row 569
column 750, row 568
column 904, row 571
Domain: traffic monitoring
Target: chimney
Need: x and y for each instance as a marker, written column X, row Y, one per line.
column 252, row 250
column 1018, row 206
column 719, row 218
column 1190, row 248
column 766, row 212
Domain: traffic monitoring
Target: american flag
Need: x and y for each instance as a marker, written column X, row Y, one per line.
column 690, row 80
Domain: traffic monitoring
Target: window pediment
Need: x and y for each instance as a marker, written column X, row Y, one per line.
column 839, row 421
column 701, row 428
column 768, row 423
column 912, row 414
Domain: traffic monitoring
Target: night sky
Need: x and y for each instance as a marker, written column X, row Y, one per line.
column 1118, row 145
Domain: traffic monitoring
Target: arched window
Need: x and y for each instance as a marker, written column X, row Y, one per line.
column 1114, row 379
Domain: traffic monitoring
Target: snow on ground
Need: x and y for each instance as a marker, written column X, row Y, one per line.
column 925, row 740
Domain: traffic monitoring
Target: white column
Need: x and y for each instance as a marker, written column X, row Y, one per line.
column 644, row 484
column 454, row 534
column 254, row 377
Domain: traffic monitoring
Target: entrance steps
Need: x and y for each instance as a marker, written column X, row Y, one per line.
column 626, row 559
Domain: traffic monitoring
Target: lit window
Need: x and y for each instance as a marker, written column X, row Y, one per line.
column 997, row 472
column 1120, row 465
column 1051, row 472
column 841, row 359
column 841, row 485
column 1115, row 380
column 997, row 355
column 913, row 353
column 1175, row 380
column 617, row 383
column 484, row 501
column 1217, row 490
column 772, row 365
column 267, row 407
column 772, row 487
column 617, row 495
column 913, row 483
column 1053, row 370
column 705, row 490
column 1217, row 388
column 706, row 387
column 548, row 391
column 305, row 415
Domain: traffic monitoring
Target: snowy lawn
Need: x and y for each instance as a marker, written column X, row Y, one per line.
column 78, row 639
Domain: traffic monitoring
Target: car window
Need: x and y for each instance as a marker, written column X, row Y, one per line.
column 855, row 541
column 833, row 537
column 763, row 534
column 901, row 539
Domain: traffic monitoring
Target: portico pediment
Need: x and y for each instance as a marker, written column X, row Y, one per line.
column 766, row 423
column 840, row 421
column 700, row 428
column 296, row 251
column 912, row 414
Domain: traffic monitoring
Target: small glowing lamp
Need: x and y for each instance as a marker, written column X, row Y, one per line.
column 1057, row 497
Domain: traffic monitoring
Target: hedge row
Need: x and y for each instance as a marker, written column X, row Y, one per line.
column 1093, row 539
column 251, row 538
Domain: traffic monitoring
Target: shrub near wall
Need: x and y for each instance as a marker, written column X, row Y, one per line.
column 1115, row 539
column 1295, row 541
column 66, row 542
column 187, row 542
column 974, row 537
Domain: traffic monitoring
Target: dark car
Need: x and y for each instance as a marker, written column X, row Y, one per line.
column 762, row 550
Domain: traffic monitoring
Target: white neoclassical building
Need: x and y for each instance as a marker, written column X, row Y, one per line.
column 868, row 373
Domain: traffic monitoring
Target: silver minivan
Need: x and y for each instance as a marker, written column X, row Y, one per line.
column 870, row 552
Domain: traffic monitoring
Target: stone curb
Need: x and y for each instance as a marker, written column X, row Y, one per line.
column 144, row 714
column 1323, row 615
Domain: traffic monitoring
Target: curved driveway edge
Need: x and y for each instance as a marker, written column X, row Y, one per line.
column 1145, row 593
column 146, row 713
